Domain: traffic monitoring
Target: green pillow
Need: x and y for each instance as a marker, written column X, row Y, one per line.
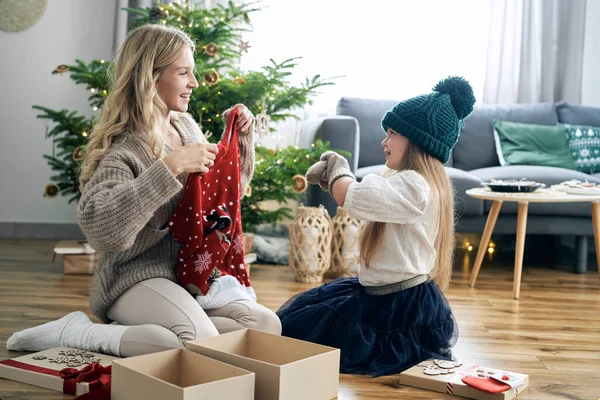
column 530, row 144
column 584, row 144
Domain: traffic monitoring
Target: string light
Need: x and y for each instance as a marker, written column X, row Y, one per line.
column 307, row 156
column 104, row 92
column 217, row 115
column 95, row 108
column 203, row 108
column 101, row 61
column 84, row 134
column 209, row 120
column 92, row 90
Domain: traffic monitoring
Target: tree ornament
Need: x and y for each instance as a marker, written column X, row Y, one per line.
column 61, row 69
column 239, row 80
column 244, row 46
column 248, row 191
column 211, row 78
column 78, row 154
column 156, row 14
column 51, row 190
column 211, row 49
column 300, row 183
column 263, row 121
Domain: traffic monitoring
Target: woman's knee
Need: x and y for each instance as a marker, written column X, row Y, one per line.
column 265, row 320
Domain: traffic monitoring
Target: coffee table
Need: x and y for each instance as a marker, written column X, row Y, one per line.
column 539, row 196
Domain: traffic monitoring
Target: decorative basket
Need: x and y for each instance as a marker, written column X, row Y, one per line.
column 344, row 245
column 310, row 243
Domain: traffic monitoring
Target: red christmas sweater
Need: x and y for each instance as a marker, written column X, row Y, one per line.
column 208, row 223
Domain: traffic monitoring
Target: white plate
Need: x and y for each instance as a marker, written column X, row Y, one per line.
column 570, row 190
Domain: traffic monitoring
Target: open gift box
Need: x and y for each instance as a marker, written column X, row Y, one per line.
column 179, row 374
column 285, row 368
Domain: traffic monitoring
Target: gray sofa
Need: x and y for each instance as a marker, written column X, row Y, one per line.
column 357, row 129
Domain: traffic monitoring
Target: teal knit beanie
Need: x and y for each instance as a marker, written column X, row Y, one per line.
column 431, row 121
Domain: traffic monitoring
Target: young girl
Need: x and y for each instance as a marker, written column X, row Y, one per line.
column 393, row 315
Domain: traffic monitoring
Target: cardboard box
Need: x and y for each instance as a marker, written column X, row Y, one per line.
column 453, row 384
column 43, row 372
column 78, row 257
column 285, row 368
column 179, row 374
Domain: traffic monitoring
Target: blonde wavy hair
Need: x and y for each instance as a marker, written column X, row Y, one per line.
column 133, row 106
column 442, row 192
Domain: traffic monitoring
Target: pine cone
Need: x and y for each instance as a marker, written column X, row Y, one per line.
column 156, row 14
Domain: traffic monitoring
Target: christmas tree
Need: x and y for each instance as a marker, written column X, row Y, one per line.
column 217, row 32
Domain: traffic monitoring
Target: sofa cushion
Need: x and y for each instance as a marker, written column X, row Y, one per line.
column 476, row 147
column 584, row 144
column 368, row 113
column 549, row 176
column 462, row 181
column 532, row 144
column 577, row 115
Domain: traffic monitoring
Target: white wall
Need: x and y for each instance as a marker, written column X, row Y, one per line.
column 591, row 55
column 68, row 30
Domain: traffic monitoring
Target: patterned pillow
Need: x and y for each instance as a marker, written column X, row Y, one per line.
column 584, row 142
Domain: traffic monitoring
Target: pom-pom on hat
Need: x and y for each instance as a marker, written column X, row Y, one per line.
column 431, row 121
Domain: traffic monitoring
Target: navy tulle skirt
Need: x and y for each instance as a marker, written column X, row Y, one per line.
column 377, row 334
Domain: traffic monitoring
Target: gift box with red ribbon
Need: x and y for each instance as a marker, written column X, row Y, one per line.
column 465, row 380
column 63, row 369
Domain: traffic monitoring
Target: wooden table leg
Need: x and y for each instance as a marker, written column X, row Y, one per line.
column 596, row 222
column 520, row 246
column 485, row 239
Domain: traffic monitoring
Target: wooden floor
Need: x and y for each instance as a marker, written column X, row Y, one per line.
column 552, row 333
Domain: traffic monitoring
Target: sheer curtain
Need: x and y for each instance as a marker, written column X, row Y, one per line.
column 535, row 51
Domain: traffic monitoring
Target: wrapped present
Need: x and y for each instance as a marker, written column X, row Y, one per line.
column 62, row 369
column 465, row 380
column 78, row 257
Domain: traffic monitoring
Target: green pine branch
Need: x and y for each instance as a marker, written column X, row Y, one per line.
column 217, row 33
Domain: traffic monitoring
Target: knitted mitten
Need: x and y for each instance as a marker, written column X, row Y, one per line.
column 317, row 174
column 337, row 167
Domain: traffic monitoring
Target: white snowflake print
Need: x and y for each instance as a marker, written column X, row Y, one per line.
column 238, row 245
column 203, row 261
column 585, row 152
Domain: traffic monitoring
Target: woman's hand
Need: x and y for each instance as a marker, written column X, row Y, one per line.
column 245, row 118
column 192, row 158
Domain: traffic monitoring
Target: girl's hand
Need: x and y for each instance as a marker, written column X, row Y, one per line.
column 245, row 118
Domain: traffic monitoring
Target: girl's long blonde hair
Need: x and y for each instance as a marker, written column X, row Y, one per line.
column 133, row 105
column 441, row 191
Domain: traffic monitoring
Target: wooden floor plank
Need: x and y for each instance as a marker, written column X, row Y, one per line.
column 552, row 333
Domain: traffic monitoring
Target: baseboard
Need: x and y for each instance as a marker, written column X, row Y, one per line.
column 33, row 230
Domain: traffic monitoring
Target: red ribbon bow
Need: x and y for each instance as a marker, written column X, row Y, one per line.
column 97, row 377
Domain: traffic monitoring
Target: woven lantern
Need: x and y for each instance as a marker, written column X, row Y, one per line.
column 310, row 244
column 345, row 244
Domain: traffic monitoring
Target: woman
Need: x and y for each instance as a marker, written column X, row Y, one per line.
column 137, row 160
